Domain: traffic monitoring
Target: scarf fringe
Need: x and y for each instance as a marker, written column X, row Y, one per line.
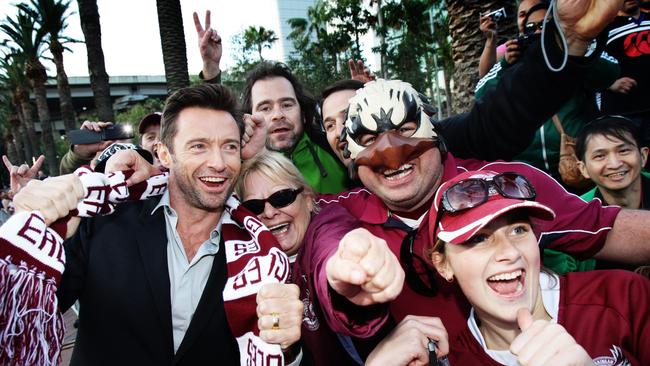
column 31, row 325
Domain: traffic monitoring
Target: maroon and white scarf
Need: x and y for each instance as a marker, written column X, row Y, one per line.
column 32, row 260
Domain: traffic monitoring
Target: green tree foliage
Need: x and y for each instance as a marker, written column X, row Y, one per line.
column 134, row 114
column 258, row 38
column 244, row 62
column 322, row 44
column 350, row 17
column 408, row 48
column 331, row 33
column 52, row 17
column 29, row 40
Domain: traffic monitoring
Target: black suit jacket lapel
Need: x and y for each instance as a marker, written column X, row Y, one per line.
column 152, row 243
column 211, row 297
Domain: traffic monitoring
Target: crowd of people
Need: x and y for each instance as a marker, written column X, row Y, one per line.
column 357, row 228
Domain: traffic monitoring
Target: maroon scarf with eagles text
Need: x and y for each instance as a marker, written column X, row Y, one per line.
column 32, row 260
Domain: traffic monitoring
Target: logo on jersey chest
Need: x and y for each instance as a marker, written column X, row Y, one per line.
column 616, row 359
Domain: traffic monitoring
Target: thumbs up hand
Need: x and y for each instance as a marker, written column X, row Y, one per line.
column 542, row 342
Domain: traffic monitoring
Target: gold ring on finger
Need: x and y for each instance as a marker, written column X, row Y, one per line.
column 275, row 317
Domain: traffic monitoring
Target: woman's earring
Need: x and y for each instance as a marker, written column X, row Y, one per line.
column 450, row 279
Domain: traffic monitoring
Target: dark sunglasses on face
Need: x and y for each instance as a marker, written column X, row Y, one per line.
column 279, row 199
column 532, row 27
column 473, row 192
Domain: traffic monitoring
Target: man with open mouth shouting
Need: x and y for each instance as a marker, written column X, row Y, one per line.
column 401, row 157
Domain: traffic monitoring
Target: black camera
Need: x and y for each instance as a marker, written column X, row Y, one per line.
column 498, row 15
column 526, row 40
column 115, row 132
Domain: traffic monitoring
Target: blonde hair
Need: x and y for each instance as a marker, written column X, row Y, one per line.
column 276, row 167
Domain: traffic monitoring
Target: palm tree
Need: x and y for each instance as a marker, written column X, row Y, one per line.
column 91, row 28
column 172, row 39
column 19, row 140
column 16, row 85
column 12, row 152
column 8, row 115
column 259, row 38
column 52, row 17
column 468, row 41
column 29, row 40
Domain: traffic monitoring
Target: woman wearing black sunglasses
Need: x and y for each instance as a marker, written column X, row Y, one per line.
column 272, row 188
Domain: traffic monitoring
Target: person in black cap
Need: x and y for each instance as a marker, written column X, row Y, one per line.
column 115, row 147
column 149, row 129
column 83, row 154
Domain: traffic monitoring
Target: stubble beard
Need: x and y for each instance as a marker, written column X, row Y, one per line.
column 282, row 146
column 194, row 197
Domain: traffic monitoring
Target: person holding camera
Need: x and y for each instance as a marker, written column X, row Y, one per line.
column 84, row 153
column 489, row 27
column 544, row 152
column 530, row 15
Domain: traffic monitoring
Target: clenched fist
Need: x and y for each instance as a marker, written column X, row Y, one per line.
column 408, row 343
column 279, row 314
column 54, row 197
column 364, row 270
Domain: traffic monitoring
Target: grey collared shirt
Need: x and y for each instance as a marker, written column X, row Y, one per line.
column 186, row 279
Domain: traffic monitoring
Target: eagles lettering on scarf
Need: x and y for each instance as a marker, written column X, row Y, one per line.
column 32, row 260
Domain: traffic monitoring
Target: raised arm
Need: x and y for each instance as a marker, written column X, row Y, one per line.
column 504, row 121
column 489, row 54
column 210, row 48
column 629, row 239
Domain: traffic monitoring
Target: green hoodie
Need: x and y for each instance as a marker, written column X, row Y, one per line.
column 322, row 171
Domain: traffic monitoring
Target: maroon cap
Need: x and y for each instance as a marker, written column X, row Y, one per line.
column 458, row 227
column 148, row 120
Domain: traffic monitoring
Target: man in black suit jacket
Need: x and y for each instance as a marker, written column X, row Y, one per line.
column 150, row 277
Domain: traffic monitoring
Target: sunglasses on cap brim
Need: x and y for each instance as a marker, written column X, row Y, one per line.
column 472, row 192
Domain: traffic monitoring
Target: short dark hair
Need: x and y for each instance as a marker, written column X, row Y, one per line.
column 618, row 127
column 345, row 84
column 210, row 96
column 268, row 69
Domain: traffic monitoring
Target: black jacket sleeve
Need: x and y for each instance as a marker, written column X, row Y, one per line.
column 76, row 260
column 503, row 123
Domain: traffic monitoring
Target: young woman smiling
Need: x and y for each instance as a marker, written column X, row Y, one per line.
column 523, row 315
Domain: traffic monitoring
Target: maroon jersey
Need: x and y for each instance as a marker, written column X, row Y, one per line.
column 606, row 312
column 579, row 229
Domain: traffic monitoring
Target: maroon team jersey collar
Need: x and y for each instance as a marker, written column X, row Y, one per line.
column 375, row 211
